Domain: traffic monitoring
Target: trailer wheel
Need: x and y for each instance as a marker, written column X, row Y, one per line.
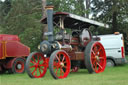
column 110, row 63
column 95, row 57
column 36, row 65
column 18, row 65
column 59, row 64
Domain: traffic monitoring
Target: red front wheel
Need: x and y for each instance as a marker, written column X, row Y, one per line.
column 95, row 57
column 59, row 64
column 36, row 65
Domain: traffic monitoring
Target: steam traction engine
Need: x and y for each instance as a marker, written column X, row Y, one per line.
column 63, row 51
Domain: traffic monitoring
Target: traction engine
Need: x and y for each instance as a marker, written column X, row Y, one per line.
column 65, row 51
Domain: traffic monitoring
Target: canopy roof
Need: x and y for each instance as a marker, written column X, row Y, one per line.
column 73, row 21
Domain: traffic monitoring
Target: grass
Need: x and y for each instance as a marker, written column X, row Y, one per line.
column 111, row 76
column 126, row 57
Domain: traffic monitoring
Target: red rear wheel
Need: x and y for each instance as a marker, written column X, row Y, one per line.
column 36, row 65
column 95, row 57
column 59, row 64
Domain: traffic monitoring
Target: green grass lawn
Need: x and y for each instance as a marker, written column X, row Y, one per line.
column 126, row 57
column 111, row 76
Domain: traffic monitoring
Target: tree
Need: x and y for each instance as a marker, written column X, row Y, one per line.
column 44, row 27
column 71, row 6
column 110, row 11
column 4, row 9
column 23, row 19
column 88, row 2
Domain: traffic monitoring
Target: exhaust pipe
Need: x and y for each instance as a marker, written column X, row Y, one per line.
column 49, row 10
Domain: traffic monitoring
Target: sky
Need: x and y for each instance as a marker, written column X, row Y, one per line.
column 2, row 0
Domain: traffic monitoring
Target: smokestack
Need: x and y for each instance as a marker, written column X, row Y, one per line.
column 49, row 10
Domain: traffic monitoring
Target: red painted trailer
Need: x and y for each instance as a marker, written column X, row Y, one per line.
column 12, row 54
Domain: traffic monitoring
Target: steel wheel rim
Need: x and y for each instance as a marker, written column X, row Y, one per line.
column 38, row 65
column 98, row 57
column 17, row 69
column 61, row 65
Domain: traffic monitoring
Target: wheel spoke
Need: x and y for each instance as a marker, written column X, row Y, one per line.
column 98, row 50
column 93, row 62
column 64, row 62
column 42, row 68
column 58, row 58
column 93, row 58
column 55, row 67
column 63, row 58
column 31, row 66
column 59, row 55
column 39, row 70
column 62, row 70
column 93, row 53
column 65, row 67
column 95, row 66
column 38, row 58
column 34, row 59
column 34, row 71
column 98, row 54
column 101, row 58
column 56, row 64
column 99, row 65
column 95, row 49
column 41, row 59
column 57, row 71
column 43, row 64
column 32, row 62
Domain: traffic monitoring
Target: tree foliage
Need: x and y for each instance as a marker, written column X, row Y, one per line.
column 112, row 12
column 71, row 6
column 23, row 19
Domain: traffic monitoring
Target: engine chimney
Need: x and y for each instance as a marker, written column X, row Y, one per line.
column 49, row 10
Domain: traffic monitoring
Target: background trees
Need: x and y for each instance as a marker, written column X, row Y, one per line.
column 22, row 17
column 110, row 11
